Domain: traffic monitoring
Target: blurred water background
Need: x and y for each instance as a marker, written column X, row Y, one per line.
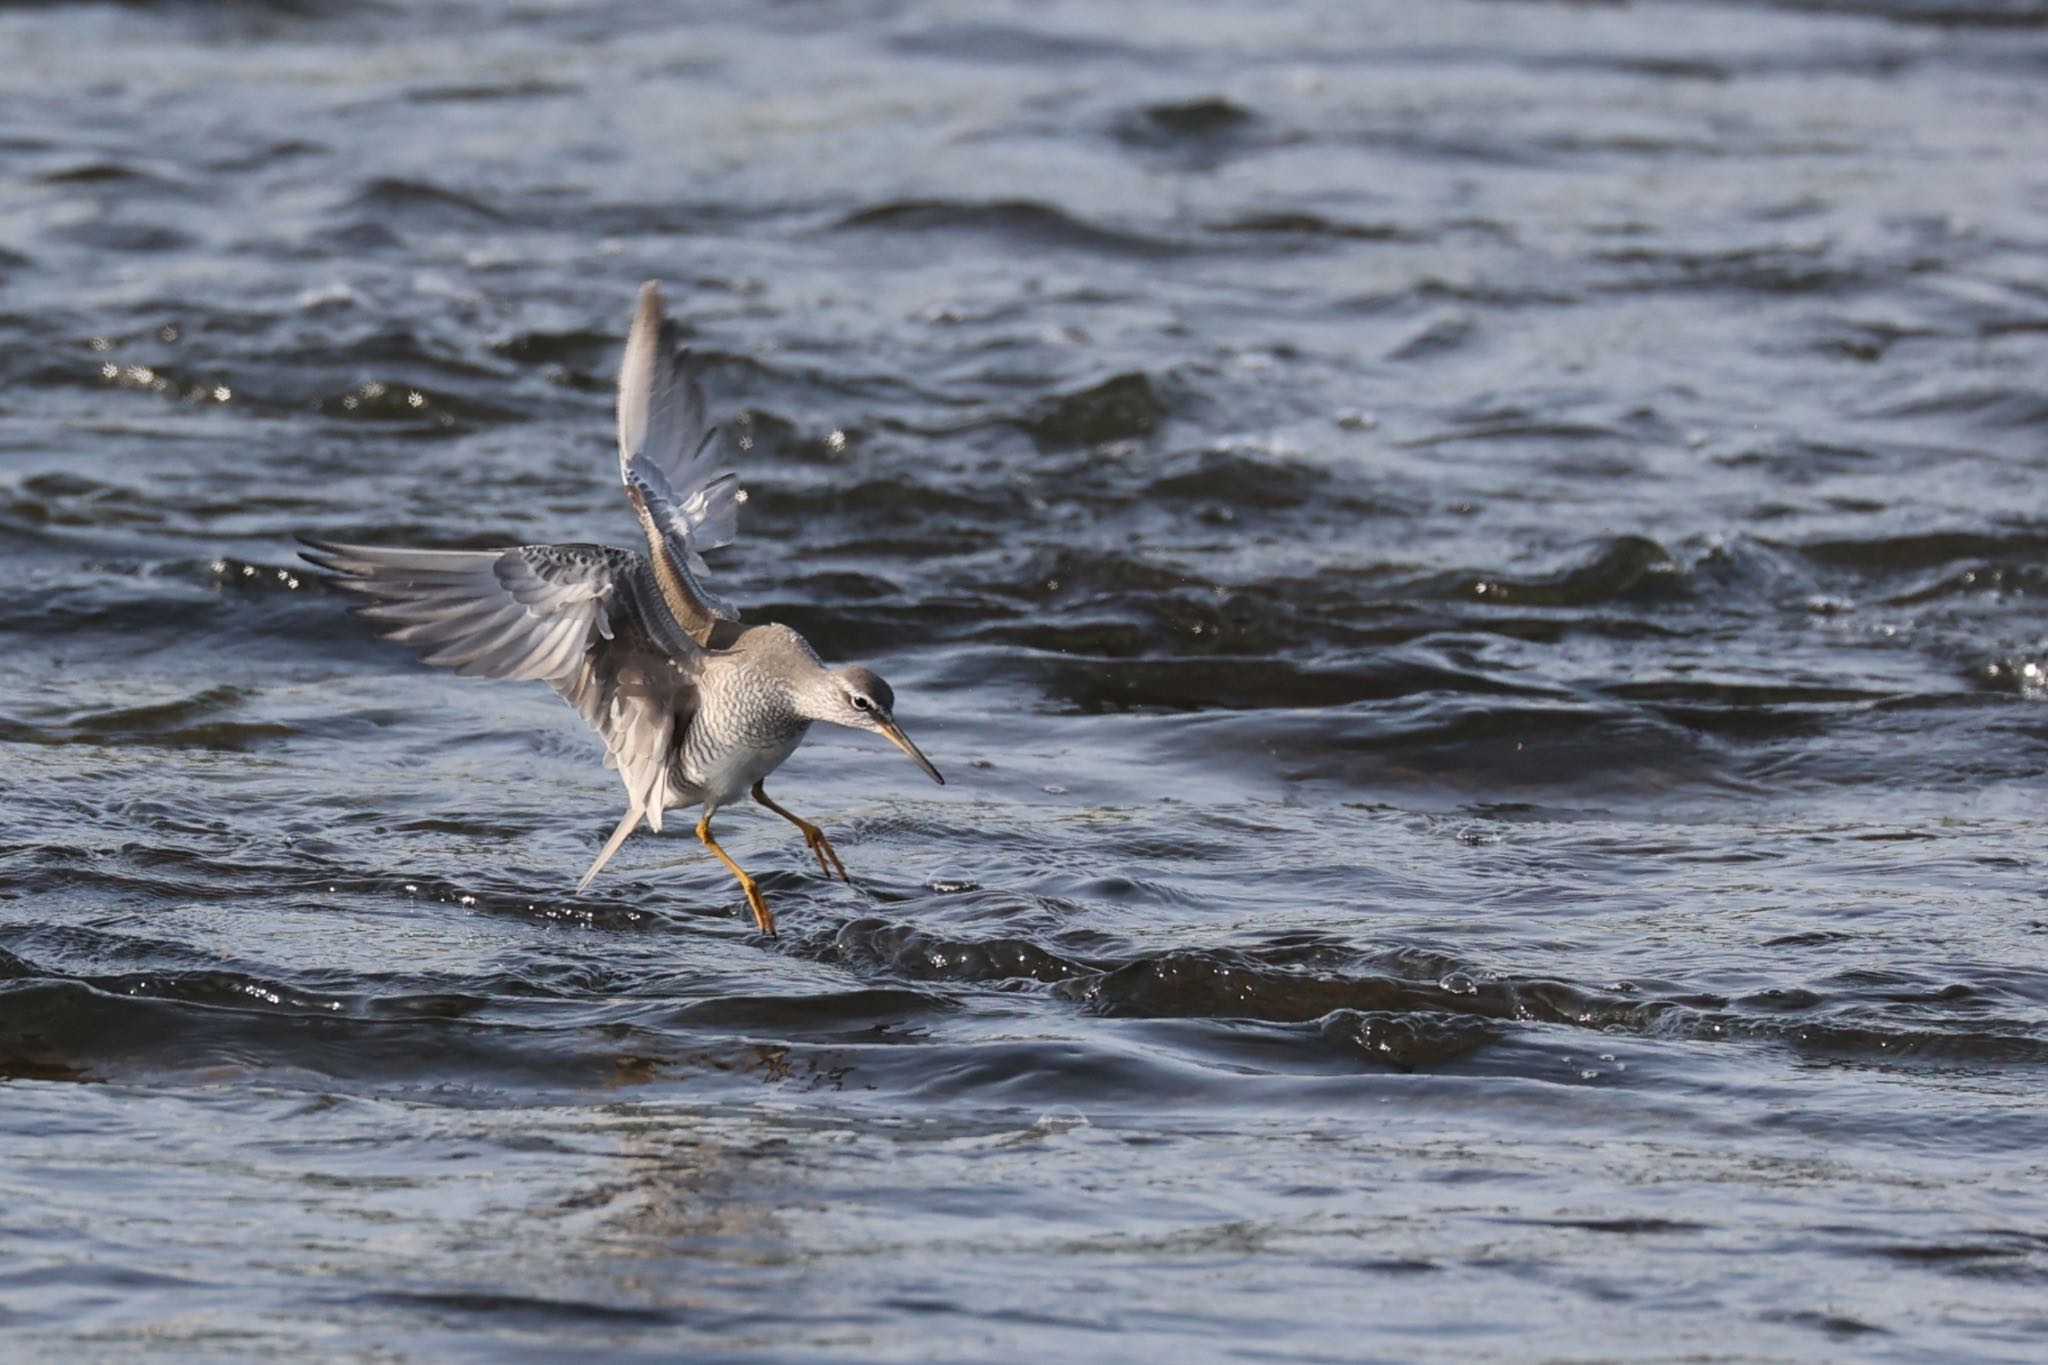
column 1476, row 570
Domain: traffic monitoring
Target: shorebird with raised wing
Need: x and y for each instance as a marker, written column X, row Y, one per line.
column 695, row 709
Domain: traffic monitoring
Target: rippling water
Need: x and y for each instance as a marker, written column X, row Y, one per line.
column 1477, row 570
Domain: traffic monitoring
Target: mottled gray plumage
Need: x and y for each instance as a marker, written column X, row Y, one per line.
column 693, row 707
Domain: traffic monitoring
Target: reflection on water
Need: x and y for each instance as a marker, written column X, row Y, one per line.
column 1475, row 564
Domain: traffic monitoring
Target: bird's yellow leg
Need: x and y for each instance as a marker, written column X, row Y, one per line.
column 813, row 836
column 762, row 918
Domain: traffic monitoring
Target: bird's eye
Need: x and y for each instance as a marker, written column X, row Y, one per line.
column 863, row 704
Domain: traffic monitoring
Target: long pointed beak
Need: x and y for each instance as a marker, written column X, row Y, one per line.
column 894, row 734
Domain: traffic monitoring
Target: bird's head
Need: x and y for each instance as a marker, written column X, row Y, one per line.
column 859, row 699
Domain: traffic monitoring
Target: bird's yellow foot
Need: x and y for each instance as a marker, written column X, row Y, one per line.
column 764, row 918
column 822, row 846
column 814, row 838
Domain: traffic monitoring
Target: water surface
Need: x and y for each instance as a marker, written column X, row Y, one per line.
column 1475, row 570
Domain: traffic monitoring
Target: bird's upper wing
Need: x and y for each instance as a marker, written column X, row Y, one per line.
column 669, row 459
column 528, row 611
column 572, row 616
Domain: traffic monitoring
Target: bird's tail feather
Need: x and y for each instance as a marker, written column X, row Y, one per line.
column 611, row 845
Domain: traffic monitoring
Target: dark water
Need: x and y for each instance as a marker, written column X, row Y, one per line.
column 1477, row 570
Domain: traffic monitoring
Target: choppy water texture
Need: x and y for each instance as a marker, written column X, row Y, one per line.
column 1477, row 570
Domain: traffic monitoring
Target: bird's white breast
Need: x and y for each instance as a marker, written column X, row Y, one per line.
column 727, row 774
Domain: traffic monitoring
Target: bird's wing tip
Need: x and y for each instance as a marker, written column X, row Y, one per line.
column 647, row 310
column 321, row 554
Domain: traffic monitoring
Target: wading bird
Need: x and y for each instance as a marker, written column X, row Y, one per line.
column 695, row 709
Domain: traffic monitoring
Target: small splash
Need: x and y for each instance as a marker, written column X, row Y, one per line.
column 331, row 295
column 243, row 576
column 1064, row 1118
column 2024, row 677
column 949, row 882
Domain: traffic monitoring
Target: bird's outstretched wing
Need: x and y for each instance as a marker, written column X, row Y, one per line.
column 572, row 616
column 669, row 459
column 528, row 611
